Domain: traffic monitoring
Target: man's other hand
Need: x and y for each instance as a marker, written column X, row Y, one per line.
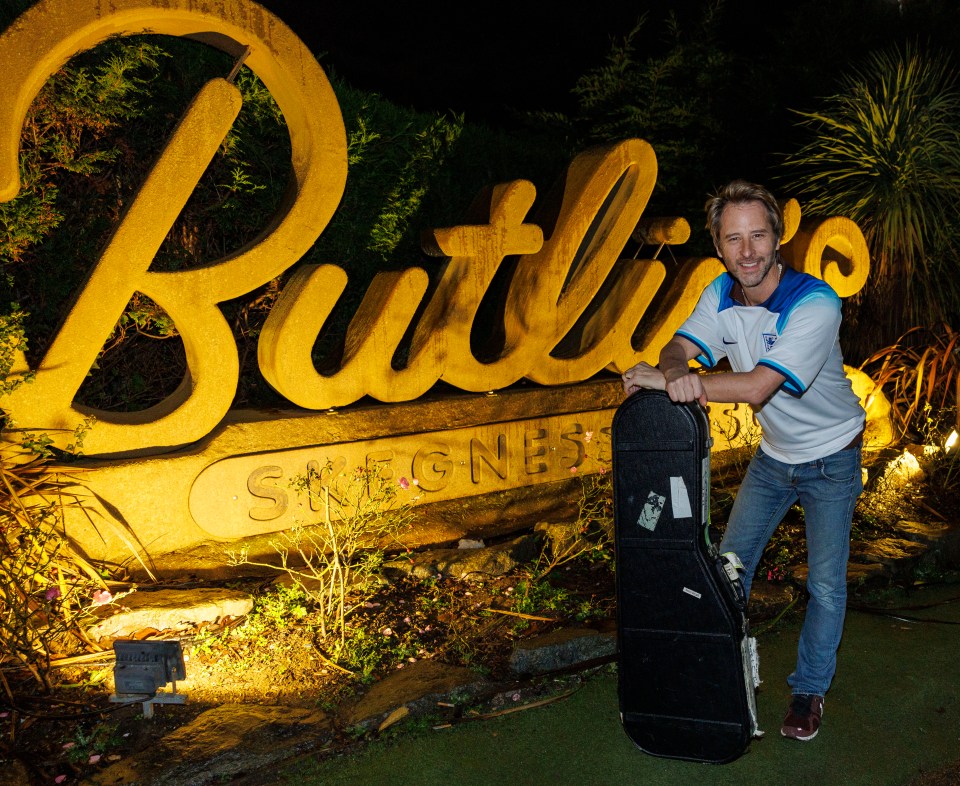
column 642, row 376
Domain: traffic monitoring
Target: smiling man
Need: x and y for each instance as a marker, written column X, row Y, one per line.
column 779, row 330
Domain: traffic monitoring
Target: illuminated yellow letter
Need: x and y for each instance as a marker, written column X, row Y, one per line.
column 52, row 32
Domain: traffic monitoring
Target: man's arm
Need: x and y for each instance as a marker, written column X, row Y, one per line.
column 750, row 387
column 681, row 384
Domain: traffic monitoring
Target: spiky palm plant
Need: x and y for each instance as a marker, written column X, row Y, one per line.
column 885, row 152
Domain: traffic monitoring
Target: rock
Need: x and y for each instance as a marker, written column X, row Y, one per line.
column 560, row 536
column 566, row 538
column 880, row 430
column 922, row 532
column 221, row 744
column 942, row 542
column 901, row 471
column 857, row 572
column 561, row 649
column 169, row 610
column 417, row 687
column 892, row 552
column 318, row 587
column 466, row 564
column 769, row 596
column 897, row 557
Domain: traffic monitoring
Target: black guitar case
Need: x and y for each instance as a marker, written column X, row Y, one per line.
column 687, row 665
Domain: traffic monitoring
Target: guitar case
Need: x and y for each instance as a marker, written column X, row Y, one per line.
column 687, row 667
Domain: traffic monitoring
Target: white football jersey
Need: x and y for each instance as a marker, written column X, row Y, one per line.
column 796, row 333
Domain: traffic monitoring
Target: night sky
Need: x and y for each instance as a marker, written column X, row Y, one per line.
column 494, row 66
column 527, row 55
column 461, row 57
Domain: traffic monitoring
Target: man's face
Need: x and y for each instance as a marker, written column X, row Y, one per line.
column 748, row 248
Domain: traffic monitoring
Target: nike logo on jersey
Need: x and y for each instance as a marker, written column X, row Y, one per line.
column 728, row 341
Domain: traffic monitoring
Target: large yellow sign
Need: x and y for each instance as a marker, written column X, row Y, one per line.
column 556, row 280
column 31, row 50
column 572, row 308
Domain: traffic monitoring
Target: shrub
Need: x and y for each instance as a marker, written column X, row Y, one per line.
column 885, row 152
column 670, row 98
column 919, row 374
column 334, row 560
column 46, row 588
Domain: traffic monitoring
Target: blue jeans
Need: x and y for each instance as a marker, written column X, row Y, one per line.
column 827, row 490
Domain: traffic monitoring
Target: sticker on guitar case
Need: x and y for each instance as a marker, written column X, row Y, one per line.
column 652, row 509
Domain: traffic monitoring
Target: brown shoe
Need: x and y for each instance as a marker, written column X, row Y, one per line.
column 803, row 718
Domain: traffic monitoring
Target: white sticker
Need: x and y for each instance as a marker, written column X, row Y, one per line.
column 652, row 509
column 679, row 499
column 695, row 594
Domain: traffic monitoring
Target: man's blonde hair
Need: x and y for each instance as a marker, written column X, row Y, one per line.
column 740, row 192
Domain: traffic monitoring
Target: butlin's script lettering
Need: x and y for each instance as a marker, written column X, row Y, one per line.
column 570, row 289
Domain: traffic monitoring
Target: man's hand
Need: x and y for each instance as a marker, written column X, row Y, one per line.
column 682, row 385
column 642, row 376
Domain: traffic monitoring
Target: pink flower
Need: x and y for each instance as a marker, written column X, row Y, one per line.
column 102, row 597
column 403, row 483
column 603, row 470
column 93, row 758
column 60, row 779
column 52, row 593
column 573, row 470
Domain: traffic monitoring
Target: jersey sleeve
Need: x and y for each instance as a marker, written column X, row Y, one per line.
column 702, row 327
column 805, row 338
